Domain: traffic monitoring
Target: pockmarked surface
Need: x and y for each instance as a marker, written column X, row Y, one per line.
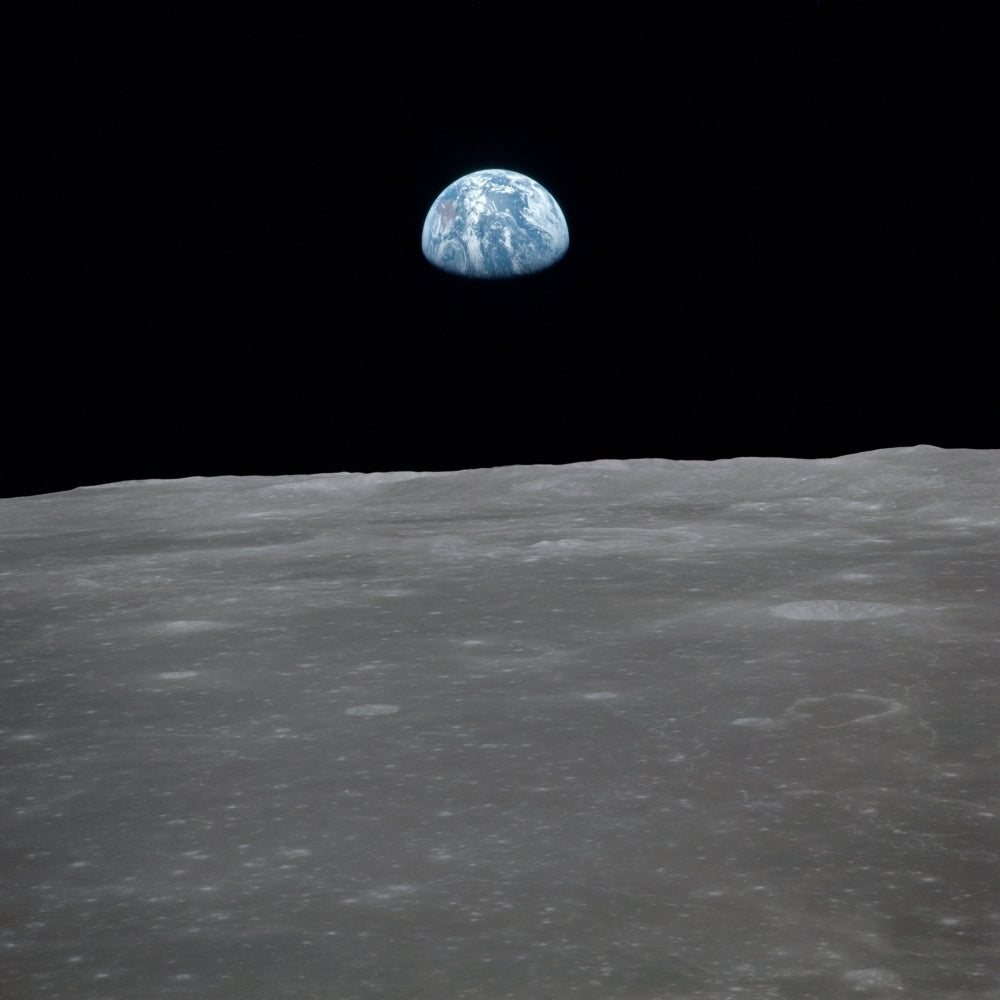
column 639, row 729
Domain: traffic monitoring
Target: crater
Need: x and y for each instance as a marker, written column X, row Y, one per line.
column 835, row 611
column 835, row 710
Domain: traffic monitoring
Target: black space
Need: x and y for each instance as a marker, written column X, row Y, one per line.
column 782, row 219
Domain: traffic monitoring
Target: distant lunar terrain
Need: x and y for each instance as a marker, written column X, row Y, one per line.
column 638, row 729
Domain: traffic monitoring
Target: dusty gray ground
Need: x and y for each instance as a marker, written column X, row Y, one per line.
column 640, row 729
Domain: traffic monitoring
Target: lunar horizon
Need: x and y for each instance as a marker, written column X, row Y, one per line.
column 633, row 729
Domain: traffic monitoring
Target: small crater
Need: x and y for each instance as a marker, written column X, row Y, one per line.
column 185, row 627
column 865, row 980
column 835, row 611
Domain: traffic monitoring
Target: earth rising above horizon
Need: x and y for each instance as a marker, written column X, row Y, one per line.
column 494, row 223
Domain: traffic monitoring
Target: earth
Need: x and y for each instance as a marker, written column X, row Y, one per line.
column 494, row 224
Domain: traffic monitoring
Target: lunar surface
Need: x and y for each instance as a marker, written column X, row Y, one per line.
column 639, row 729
